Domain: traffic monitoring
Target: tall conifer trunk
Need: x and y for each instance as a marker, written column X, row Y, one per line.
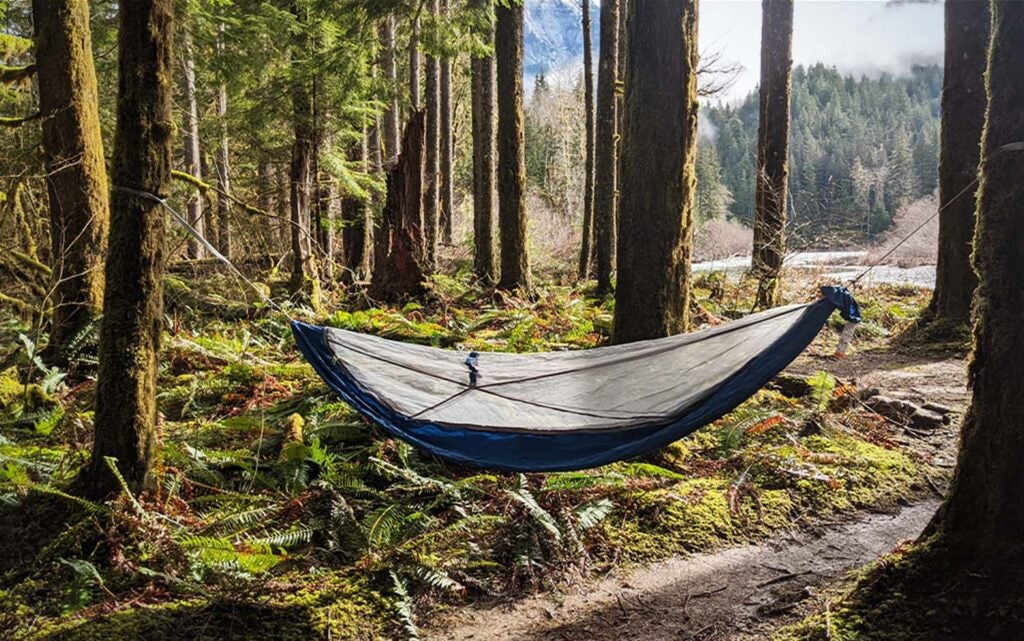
column 657, row 170
column 772, row 148
column 75, row 169
column 431, row 190
column 515, row 262
column 125, row 421
column 483, row 157
column 223, row 165
column 390, row 120
column 414, row 66
column 605, row 224
column 193, row 157
column 586, row 248
column 446, row 143
column 304, row 279
column 983, row 516
column 963, row 117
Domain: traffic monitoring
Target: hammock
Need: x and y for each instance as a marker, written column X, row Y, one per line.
column 563, row 410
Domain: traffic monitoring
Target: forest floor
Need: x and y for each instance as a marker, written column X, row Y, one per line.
column 742, row 593
column 279, row 513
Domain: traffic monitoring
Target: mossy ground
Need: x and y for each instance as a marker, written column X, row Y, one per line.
column 915, row 594
column 280, row 513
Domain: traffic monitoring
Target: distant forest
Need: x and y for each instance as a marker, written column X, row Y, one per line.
column 859, row 150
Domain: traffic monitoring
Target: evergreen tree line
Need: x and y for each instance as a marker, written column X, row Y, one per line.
column 859, row 150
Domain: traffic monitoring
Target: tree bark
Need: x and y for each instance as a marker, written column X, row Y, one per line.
column 772, row 149
column 125, row 421
column 414, row 66
column 390, row 119
column 483, row 159
column 223, row 167
column 658, row 171
column 400, row 253
column 983, row 515
column 431, row 191
column 586, row 250
column 193, row 158
column 446, row 144
column 515, row 262
column 304, row 277
column 605, row 224
column 963, row 118
column 356, row 224
column 75, row 169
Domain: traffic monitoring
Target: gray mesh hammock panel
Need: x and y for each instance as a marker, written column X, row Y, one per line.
column 563, row 410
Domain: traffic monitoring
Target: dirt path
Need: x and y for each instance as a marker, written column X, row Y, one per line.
column 739, row 593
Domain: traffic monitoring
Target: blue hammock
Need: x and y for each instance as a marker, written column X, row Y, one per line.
column 563, row 410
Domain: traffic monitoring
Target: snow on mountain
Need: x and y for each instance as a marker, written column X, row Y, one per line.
column 553, row 39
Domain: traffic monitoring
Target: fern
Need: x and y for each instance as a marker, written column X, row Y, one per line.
column 521, row 495
column 591, row 513
column 404, row 608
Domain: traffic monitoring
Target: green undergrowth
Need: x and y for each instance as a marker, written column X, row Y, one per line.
column 280, row 513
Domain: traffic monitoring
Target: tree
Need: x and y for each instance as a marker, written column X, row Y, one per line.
column 963, row 117
column 773, row 149
column 970, row 560
column 659, row 149
column 223, row 164
column 75, row 169
column 304, row 279
column 586, row 250
column 400, row 260
column 446, row 143
column 125, row 421
column 390, row 120
column 515, row 262
column 483, row 152
column 193, row 158
column 605, row 223
column 431, row 187
column 414, row 65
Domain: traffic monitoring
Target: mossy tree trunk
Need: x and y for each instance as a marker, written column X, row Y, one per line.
column 605, row 143
column 193, row 158
column 304, row 281
column 431, row 190
column 657, row 170
column 483, row 156
column 75, row 168
column 399, row 265
column 508, row 50
column 586, row 249
column 963, row 117
column 982, row 518
column 357, row 225
column 446, row 143
column 772, row 149
column 125, row 420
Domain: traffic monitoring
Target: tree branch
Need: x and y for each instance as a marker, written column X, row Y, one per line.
column 14, row 75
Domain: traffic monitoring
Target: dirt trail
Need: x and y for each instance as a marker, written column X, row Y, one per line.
column 739, row 593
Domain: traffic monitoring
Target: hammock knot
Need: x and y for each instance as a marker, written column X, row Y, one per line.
column 471, row 362
column 844, row 302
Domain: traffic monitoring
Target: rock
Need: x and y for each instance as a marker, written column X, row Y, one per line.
column 924, row 419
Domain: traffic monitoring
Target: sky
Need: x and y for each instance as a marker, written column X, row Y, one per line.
column 857, row 36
